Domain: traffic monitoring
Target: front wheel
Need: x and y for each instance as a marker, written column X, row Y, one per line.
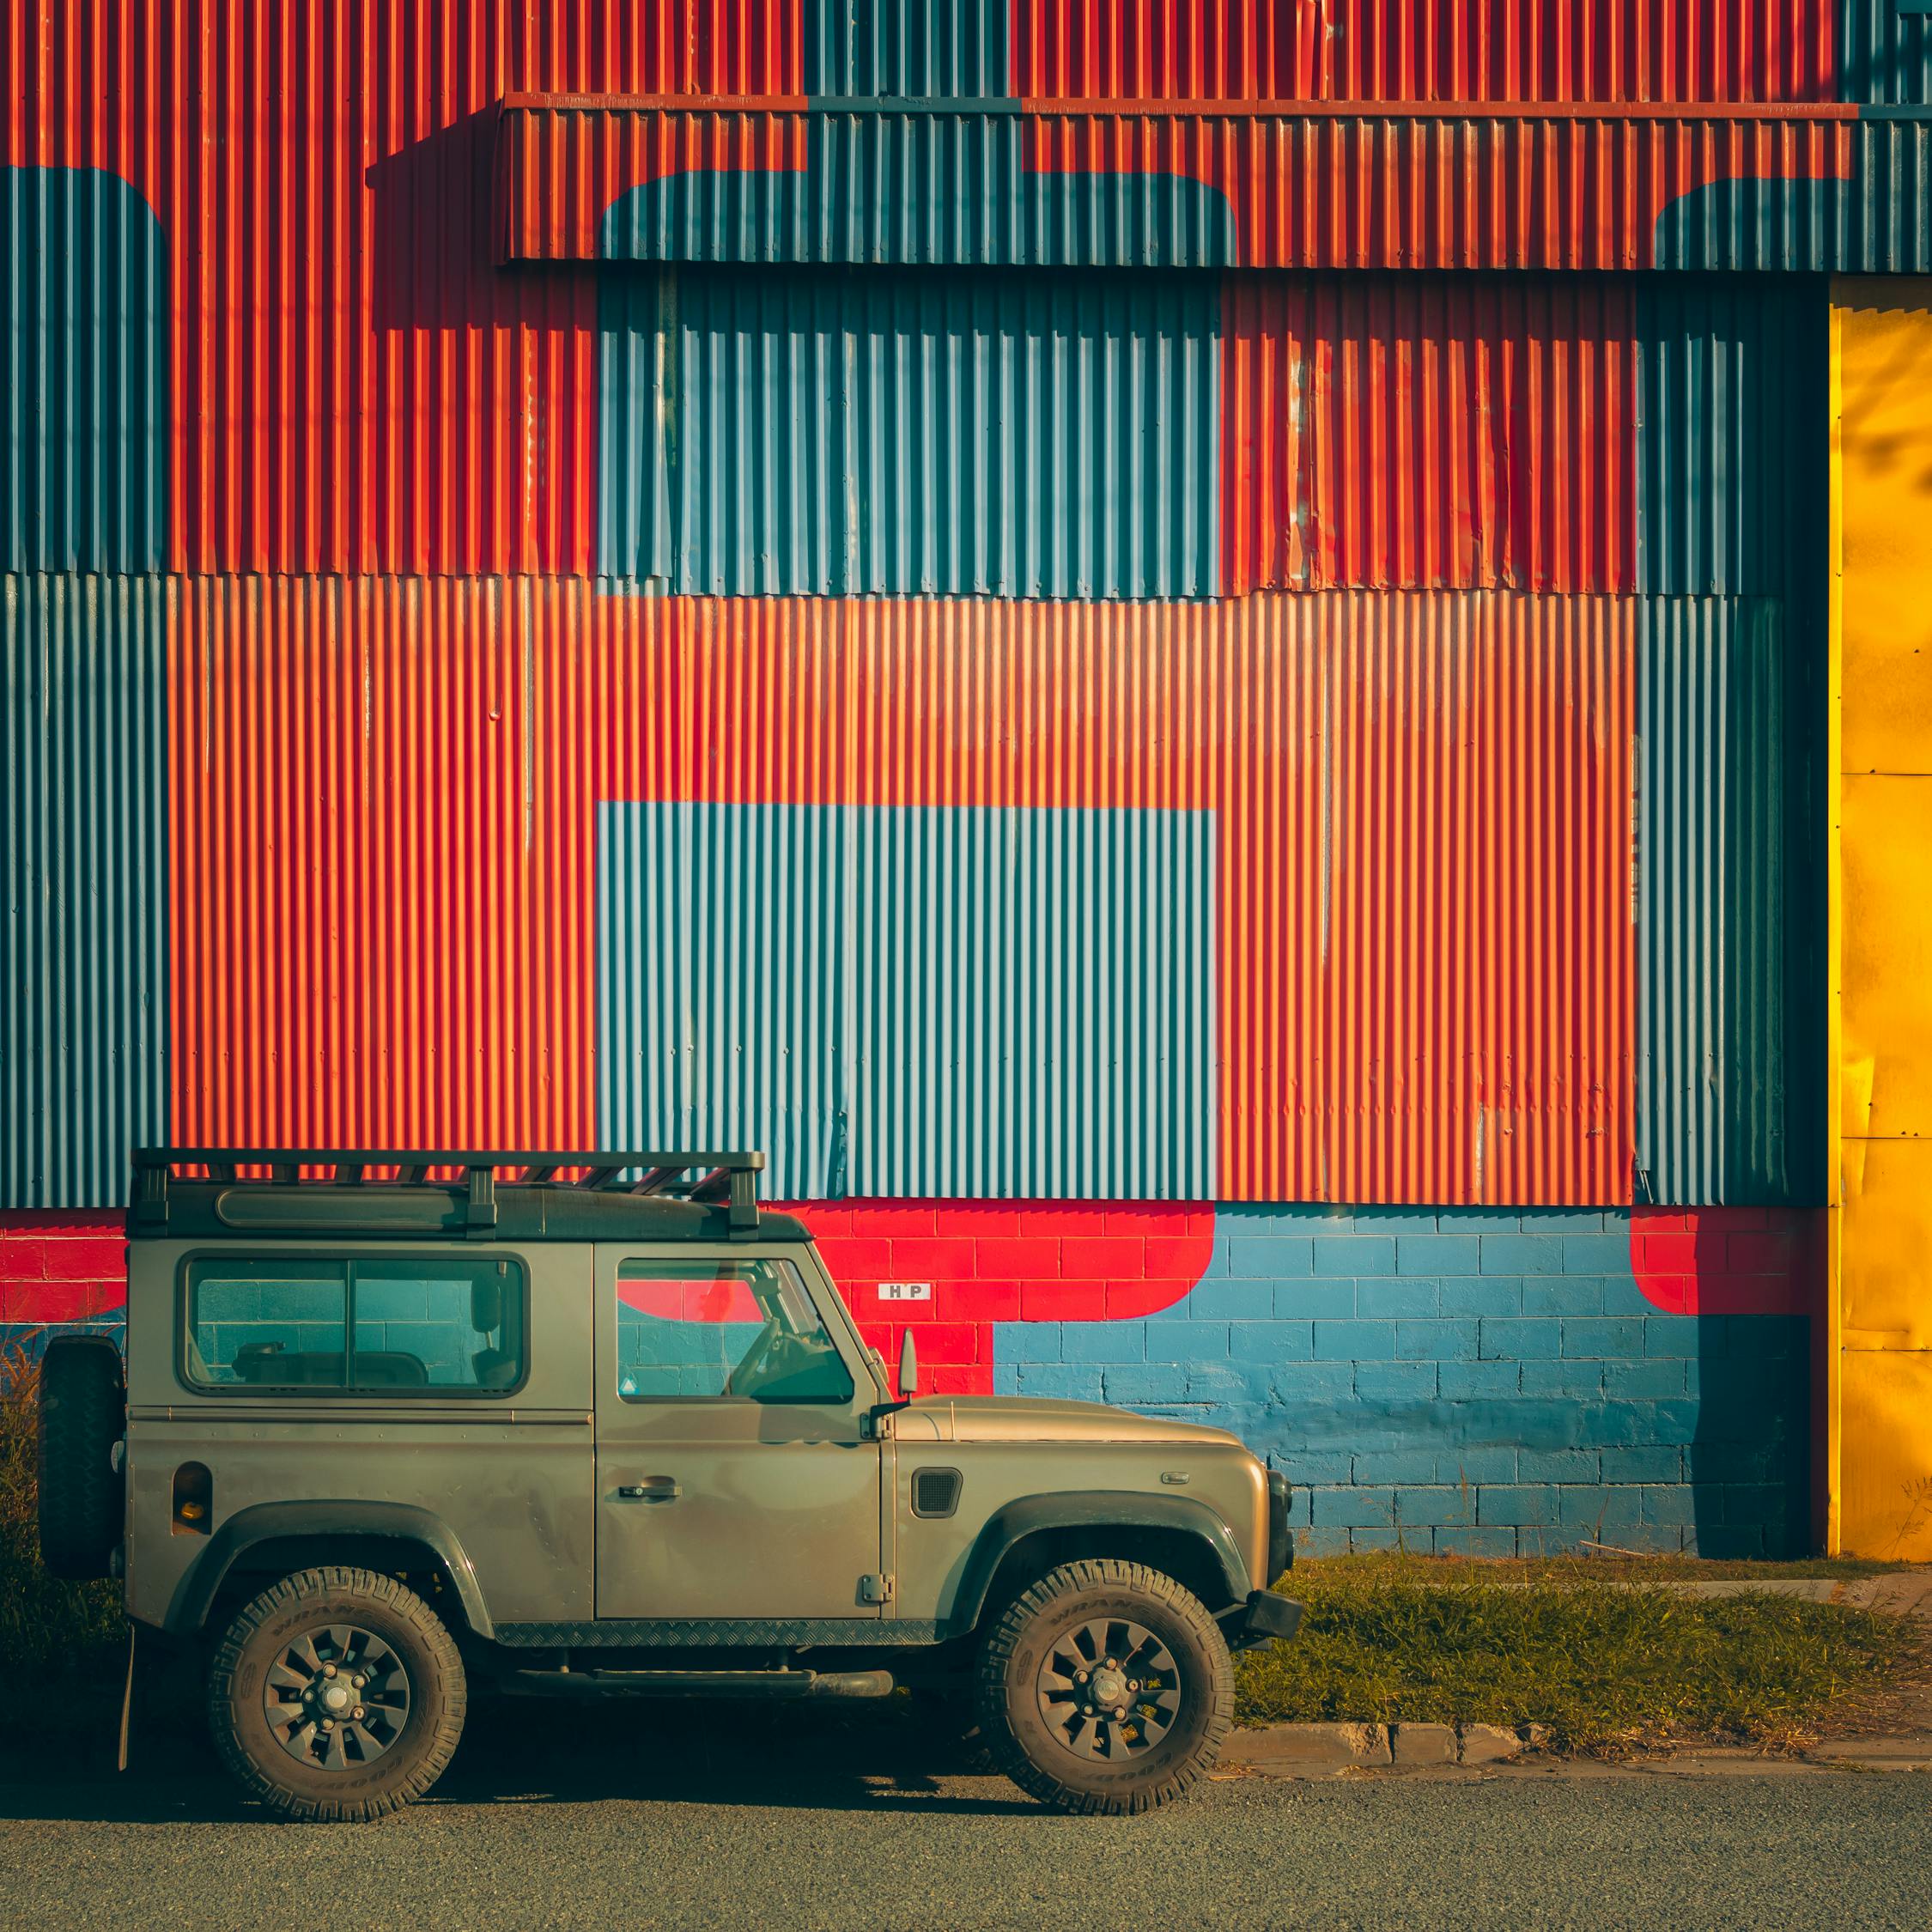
column 1105, row 1687
column 336, row 1694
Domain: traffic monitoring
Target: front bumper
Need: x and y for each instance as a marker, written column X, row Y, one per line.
column 1263, row 1618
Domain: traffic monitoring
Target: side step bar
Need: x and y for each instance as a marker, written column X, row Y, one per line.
column 699, row 1683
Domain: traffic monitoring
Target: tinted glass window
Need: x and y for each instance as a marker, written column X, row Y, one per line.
column 723, row 1329
column 366, row 1325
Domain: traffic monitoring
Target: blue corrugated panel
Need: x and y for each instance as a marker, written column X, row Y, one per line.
column 1731, row 463
column 1730, row 909
column 913, row 1001
column 940, row 434
column 922, row 188
column 1878, row 221
column 83, row 480
column 1885, row 52
column 954, row 49
column 84, row 848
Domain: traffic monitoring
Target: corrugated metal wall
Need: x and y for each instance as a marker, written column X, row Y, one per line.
column 390, row 749
column 917, row 1000
column 376, row 924
column 83, row 849
column 1413, row 797
column 1449, row 50
column 1091, row 186
column 1731, row 932
column 83, row 406
column 782, row 433
column 1730, row 409
column 1428, row 431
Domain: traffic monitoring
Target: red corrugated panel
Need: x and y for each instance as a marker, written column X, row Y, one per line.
column 561, row 167
column 384, row 844
column 353, row 383
column 1405, row 431
column 1425, row 50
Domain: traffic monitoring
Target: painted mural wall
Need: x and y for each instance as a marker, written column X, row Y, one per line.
column 1233, row 770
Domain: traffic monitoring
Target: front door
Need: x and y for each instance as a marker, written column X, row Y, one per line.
column 733, row 1475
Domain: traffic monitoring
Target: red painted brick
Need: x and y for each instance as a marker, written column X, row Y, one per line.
column 87, row 1258
column 1063, row 1301
column 1071, row 1217
column 985, row 1301
column 1658, row 1220
column 1006, row 1260
column 1729, row 1220
column 1125, row 1299
column 1109, row 1258
column 1664, row 1254
column 827, row 1222
column 1669, row 1293
column 61, row 1221
column 976, row 1380
column 1172, row 1256
column 23, row 1258
column 848, row 1262
column 1759, row 1254
column 928, row 1258
column 977, row 1219
column 946, row 1341
column 1145, row 1217
column 59, row 1300
column 873, row 1219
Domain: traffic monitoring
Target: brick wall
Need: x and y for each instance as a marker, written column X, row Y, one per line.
column 58, row 1265
column 1487, row 1381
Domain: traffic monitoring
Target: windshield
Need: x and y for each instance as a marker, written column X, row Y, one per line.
column 698, row 1329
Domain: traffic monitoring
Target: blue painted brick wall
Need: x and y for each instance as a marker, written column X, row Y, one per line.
column 1484, row 1382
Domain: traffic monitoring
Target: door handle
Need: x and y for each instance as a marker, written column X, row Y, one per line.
column 653, row 1489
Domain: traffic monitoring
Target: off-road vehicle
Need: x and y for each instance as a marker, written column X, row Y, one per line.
column 392, row 1423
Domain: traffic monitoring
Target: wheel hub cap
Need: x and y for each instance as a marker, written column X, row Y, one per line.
column 336, row 1696
column 1108, row 1688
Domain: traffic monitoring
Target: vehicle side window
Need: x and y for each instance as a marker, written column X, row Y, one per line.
column 723, row 1329
column 423, row 1326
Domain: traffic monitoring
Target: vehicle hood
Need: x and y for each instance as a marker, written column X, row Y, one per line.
column 1026, row 1418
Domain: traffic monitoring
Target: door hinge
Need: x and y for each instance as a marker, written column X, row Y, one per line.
column 875, row 1589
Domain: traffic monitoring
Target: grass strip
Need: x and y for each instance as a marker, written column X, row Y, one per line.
column 1400, row 1640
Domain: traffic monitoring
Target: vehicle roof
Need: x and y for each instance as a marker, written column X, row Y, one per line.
column 426, row 1194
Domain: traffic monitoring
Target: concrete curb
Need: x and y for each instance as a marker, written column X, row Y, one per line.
column 1325, row 1750
column 1316, row 1750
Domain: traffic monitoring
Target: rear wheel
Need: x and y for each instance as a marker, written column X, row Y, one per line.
column 1105, row 1687
column 336, row 1694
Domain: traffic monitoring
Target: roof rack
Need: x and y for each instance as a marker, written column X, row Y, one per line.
column 706, row 1178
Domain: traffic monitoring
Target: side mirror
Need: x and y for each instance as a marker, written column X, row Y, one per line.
column 909, row 1368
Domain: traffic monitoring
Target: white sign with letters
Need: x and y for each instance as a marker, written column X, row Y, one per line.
column 905, row 1290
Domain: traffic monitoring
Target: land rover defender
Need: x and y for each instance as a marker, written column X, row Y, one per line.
column 390, row 1424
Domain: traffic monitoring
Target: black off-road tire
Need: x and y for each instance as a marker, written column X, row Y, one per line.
column 1016, row 1732
column 310, row 1601
column 83, row 1413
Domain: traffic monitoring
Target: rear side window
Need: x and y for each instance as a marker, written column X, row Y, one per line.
column 360, row 1325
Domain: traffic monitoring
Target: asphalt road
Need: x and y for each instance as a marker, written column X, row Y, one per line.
column 629, row 1822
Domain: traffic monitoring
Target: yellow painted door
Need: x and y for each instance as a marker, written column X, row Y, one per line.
column 1881, row 1344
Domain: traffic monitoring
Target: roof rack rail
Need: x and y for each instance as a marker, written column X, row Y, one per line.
column 704, row 1177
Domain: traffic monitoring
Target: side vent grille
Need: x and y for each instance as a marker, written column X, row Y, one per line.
column 935, row 1492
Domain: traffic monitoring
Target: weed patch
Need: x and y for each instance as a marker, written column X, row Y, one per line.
column 1391, row 1640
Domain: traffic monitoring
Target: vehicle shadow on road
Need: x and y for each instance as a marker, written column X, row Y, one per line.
column 518, row 1751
